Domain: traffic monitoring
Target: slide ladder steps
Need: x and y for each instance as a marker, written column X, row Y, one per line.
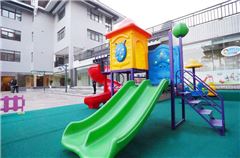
column 210, row 110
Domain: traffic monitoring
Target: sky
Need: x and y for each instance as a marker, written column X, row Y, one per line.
column 147, row 13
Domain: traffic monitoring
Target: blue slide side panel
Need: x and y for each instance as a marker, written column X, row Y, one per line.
column 159, row 66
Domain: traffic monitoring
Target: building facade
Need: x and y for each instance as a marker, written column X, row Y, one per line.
column 39, row 37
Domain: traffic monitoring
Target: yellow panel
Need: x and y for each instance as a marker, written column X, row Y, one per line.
column 140, row 51
column 127, row 63
column 137, row 51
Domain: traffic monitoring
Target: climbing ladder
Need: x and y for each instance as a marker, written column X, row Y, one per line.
column 211, row 109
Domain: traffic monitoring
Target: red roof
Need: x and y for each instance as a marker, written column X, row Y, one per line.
column 130, row 26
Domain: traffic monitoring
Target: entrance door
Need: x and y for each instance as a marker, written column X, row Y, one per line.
column 62, row 81
column 40, row 81
column 5, row 83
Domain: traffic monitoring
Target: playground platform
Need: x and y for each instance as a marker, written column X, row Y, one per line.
column 38, row 134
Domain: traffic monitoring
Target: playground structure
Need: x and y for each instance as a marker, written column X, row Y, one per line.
column 15, row 106
column 209, row 80
column 94, row 101
column 108, row 130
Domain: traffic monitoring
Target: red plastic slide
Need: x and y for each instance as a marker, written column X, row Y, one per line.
column 95, row 100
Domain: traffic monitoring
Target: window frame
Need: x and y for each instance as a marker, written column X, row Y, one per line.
column 61, row 13
column 108, row 24
column 10, row 34
column 95, row 36
column 10, row 55
column 95, row 16
column 61, row 34
column 8, row 10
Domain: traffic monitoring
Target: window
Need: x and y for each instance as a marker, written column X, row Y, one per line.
column 11, row 12
column 61, row 13
column 95, row 16
column 108, row 24
column 61, row 34
column 10, row 55
column 95, row 36
column 10, row 34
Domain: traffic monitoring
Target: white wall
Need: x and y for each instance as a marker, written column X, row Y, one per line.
column 80, row 22
column 58, row 25
column 217, row 28
column 25, row 45
column 43, row 42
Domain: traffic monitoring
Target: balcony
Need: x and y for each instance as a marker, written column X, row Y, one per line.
column 61, row 60
column 101, row 50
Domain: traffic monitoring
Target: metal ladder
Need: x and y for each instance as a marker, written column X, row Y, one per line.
column 210, row 109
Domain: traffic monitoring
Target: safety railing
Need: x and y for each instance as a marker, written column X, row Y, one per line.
column 91, row 53
column 205, row 97
column 212, row 13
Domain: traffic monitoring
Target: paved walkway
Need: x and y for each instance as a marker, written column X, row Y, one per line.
column 38, row 99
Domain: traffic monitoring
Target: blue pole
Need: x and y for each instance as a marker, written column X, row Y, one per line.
column 132, row 75
column 182, row 76
column 112, row 84
column 194, row 80
column 172, row 78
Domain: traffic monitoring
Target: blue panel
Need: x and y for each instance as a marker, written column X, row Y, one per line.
column 159, row 66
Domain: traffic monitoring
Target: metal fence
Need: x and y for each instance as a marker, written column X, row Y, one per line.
column 91, row 53
column 212, row 13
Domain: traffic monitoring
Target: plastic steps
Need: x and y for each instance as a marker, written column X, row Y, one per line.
column 216, row 122
column 194, row 102
column 205, row 111
column 184, row 93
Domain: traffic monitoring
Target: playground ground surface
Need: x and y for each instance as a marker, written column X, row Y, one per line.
column 37, row 134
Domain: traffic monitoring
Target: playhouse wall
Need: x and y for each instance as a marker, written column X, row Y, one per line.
column 128, row 62
column 159, row 63
column 140, row 51
column 137, row 51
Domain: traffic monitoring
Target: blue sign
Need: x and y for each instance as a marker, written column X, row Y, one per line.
column 231, row 51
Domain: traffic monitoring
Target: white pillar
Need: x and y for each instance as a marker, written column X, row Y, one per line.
column 34, row 80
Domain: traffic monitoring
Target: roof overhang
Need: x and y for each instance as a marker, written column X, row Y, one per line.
column 97, row 5
column 19, row 4
column 54, row 6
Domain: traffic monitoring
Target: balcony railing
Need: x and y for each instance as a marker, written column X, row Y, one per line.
column 212, row 13
column 58, row 63
column 92, row 53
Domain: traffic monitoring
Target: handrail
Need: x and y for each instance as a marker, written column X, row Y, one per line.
column 206, row 85
column 221, row 106
column 206, row 98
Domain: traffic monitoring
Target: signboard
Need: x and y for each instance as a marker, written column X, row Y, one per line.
column 231, row 51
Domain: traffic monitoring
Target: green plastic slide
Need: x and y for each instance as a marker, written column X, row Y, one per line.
column 108, row 130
